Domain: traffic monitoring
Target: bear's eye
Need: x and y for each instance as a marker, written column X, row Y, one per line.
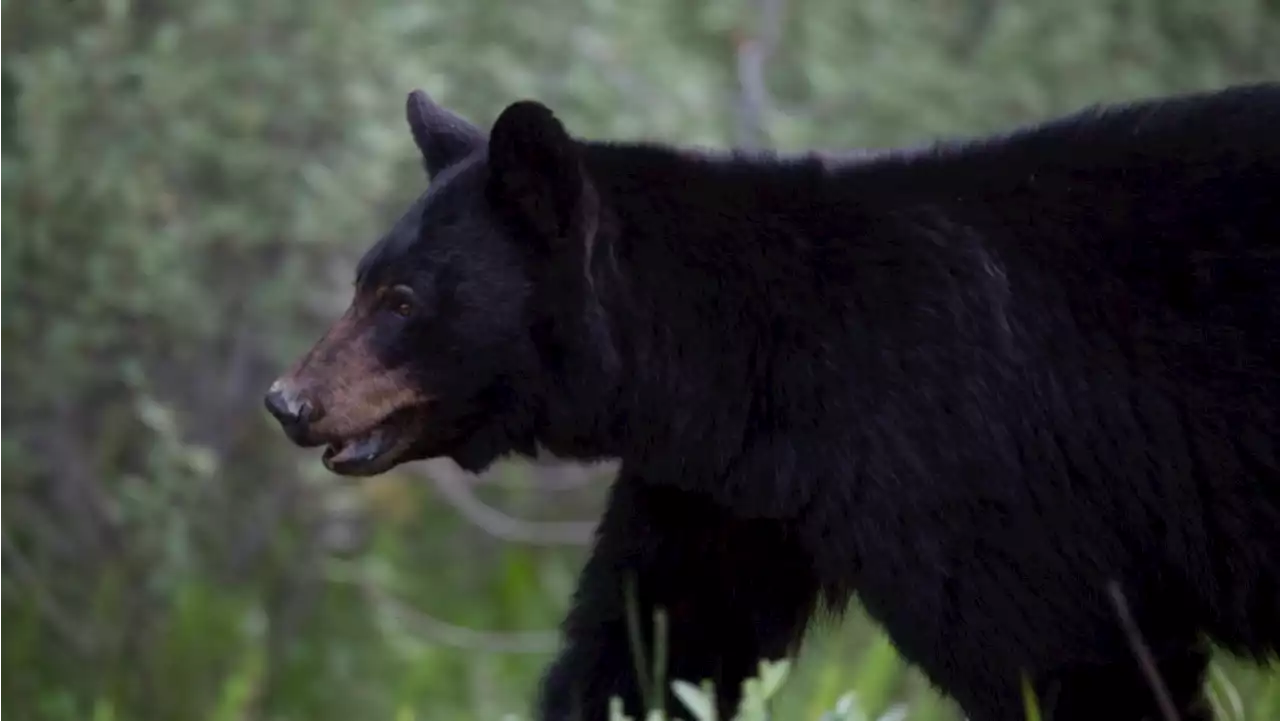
column 400, row 300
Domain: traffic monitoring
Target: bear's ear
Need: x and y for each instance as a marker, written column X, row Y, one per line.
column 443, row 137
column 536, row 173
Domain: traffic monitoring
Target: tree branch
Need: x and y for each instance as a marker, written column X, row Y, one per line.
column 1143, row 653
column 445, row 633
column 753, row 54
column 455, row 487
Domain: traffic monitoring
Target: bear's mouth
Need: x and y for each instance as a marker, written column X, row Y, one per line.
column 374, row 451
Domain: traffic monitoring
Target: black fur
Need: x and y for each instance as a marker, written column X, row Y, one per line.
column 972, row 383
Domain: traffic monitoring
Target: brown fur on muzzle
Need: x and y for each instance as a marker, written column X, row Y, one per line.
column 343, row 378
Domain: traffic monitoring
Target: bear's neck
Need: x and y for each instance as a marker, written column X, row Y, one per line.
column 688, row 277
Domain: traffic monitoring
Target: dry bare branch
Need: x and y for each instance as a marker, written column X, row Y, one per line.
column 445, row 633
column 753, row 54
column 1140, row 649
column 455, row 486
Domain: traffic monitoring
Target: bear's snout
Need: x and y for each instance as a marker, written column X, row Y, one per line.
column 293, row 409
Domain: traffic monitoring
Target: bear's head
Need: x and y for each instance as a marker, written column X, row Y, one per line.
column 439, row 353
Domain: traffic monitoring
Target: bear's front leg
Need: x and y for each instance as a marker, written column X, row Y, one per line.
column 734, row 592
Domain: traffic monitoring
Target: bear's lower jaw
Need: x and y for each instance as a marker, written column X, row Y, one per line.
column 368, row 455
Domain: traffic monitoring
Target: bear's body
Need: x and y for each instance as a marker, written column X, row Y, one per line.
column 973, row 384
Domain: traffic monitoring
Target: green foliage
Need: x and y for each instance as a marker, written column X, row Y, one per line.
column 186, row 187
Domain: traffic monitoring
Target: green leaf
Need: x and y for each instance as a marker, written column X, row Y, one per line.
column 699, row 702
column 1031, row 706
column 772, row 675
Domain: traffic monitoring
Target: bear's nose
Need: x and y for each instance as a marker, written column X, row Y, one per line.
column 289, row 407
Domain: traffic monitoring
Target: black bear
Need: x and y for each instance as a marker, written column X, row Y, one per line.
column 975, row 384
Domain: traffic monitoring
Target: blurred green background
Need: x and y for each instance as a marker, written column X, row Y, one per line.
column 186, row 188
